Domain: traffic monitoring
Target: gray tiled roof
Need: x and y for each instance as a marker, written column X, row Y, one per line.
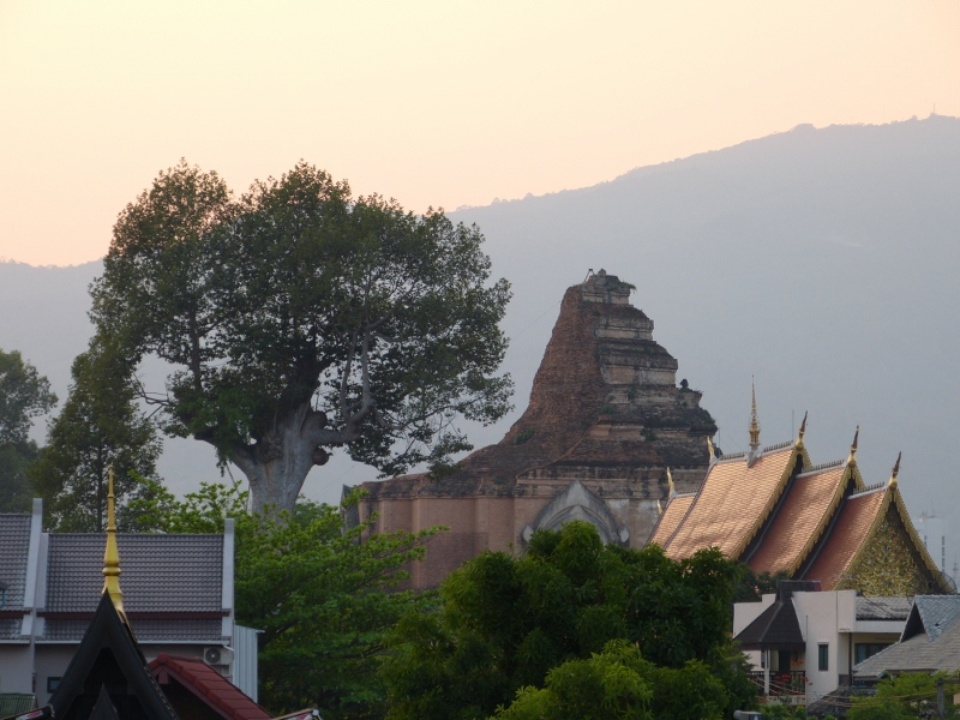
column 938, row 612
column 916, row 655
column 14, row 547
column 923, row 652
column 10, row 629
column 160, row 573
column 147, row 630
column 883, row 608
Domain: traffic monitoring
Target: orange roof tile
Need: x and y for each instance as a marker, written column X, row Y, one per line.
column 847, row 537
column 810, row 502
column 672, row 516
column 733, row 503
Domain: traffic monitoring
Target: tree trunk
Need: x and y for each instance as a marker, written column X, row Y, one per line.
column 277, row 465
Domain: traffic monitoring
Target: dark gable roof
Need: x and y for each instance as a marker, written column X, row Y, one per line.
column 108, row 657
column 776, row 627
column 206, row 685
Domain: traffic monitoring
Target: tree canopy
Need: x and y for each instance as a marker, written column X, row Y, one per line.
column 507, row 623
column 301, row 319
column 101, row 426
column 24, row 395
column 323, row 599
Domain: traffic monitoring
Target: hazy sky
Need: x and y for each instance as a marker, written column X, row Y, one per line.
column 442, row 103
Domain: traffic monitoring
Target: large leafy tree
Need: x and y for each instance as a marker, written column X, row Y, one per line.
column 506, row 622
column 301, row 319
column 101, row 426
column 323, row 598
column 24, row 395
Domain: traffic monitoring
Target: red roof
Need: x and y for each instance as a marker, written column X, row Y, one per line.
column 857, row 516
column 810, row 502
column 207, row 685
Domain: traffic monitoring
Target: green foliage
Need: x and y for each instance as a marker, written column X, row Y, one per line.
column 614, row 684
column 303, row 319
column 323, row 597
column 101, row 426
column 912, row 695
column 24, row 395
column 506, row 622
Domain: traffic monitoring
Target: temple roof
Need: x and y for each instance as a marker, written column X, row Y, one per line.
column 809, row 503
column 736, row 497
column 674, row 513
column 858, row 516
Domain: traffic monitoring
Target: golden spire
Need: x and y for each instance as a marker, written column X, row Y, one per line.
column 853, row 447
column 711, row 452
column 659, row 508
column 111, row 555
column 892, row 482
column 671, row 488
column 803, row 431
column 754, row 425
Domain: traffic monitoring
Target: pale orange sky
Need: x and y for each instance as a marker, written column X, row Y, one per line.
column 442, row 103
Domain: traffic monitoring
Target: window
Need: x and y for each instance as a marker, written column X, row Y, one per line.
column 861, row 651
column 823, row 657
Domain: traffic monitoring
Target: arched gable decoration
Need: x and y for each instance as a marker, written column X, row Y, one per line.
column 578, row 503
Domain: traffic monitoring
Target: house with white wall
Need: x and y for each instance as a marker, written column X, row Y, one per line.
column 178, row 594
column 803, row 642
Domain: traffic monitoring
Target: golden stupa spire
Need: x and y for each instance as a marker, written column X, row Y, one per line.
column 111, row 555
column 754, row 424
column 853, row 447
column 892, row 482
column 803, row 430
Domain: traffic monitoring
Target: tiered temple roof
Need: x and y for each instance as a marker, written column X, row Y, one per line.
column 774, row 511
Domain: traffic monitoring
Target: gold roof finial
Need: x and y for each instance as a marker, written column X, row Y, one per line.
column 803, row 431
column 671, row 488
column 896, row 471
column 853, row 447
column 659, row 508
column 710, row 451
column 111, row 555
column 754, row 424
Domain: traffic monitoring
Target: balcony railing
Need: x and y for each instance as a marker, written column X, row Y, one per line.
column 793, row 682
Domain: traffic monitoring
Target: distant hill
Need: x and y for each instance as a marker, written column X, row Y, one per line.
column 824, row 263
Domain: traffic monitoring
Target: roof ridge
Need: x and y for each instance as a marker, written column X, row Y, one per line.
column 731, row 456
column 822, row 466
column 869, row 489
column 778, row 446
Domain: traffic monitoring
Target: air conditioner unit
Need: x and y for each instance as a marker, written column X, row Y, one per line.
column 218, row 655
